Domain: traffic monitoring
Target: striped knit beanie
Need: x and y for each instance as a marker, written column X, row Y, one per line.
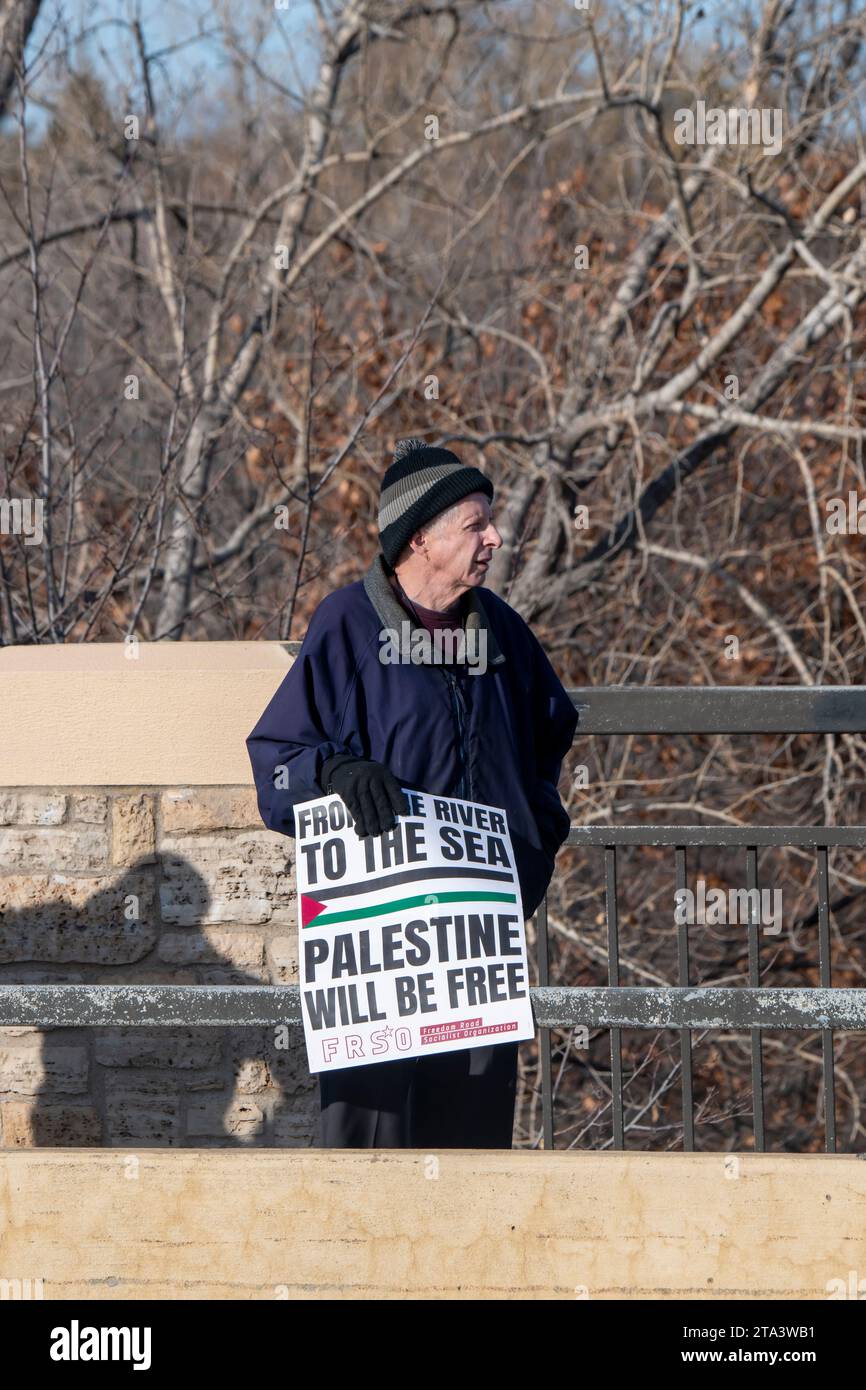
column 421, row 482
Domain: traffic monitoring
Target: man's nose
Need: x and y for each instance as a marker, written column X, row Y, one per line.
column 492, row 537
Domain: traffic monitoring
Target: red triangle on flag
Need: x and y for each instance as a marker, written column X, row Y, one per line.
column 310, row 909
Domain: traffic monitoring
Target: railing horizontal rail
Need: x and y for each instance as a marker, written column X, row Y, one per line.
column 737, row 709
column 794, row 836
column 100, row 1006
column 725, row 709
column 699, row 1007
column 169, row 1006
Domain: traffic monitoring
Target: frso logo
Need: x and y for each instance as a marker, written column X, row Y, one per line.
column 76, row 1343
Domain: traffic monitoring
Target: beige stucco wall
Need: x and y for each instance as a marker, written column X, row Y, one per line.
column 135, row 714
column 395, row 1224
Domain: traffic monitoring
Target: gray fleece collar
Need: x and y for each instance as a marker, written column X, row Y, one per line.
column 392, row 613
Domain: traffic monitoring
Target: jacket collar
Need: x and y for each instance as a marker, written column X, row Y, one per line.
column 392, row 613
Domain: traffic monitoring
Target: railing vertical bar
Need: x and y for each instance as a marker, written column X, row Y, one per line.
column 613, row 981
column 826, row 1033
column 685, row 1033
column 543, row 965
column 755, row 980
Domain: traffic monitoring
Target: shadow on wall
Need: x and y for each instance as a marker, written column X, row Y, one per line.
column 156, row 1086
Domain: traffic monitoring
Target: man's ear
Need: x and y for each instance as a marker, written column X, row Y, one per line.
column 418, row 543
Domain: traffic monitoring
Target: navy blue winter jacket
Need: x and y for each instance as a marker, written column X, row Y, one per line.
column 497, row 737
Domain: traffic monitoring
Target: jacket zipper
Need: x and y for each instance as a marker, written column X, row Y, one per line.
column 464, row 788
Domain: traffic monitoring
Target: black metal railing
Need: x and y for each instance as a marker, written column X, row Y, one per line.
column 680, row 1006
column 687, row 1007
column 692, row 711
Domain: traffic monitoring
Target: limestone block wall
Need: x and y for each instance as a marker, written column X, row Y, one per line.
column 159, row 883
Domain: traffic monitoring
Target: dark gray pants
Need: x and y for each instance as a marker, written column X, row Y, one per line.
column 457, row 1100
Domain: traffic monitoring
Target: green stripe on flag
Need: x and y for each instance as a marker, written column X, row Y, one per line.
column 326, row 919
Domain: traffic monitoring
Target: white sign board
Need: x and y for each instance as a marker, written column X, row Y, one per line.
column 411, row 942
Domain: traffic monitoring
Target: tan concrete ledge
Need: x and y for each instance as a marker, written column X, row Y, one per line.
column 394, row 1224
column 143, row 714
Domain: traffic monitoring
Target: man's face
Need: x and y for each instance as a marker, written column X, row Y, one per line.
column 461, row 548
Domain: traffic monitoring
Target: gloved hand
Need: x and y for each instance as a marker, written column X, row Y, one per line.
column 371, row 792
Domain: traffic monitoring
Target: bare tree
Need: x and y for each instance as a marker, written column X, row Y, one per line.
column 17, row 18
column 227, row 289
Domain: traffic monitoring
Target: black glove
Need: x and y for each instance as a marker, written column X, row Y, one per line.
column 371, row 792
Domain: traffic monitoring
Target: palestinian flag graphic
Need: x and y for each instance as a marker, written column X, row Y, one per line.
column 350, row 902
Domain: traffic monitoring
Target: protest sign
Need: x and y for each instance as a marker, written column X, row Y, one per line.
column 411, row 942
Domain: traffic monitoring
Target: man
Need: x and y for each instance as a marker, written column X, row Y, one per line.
column 492, row 727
